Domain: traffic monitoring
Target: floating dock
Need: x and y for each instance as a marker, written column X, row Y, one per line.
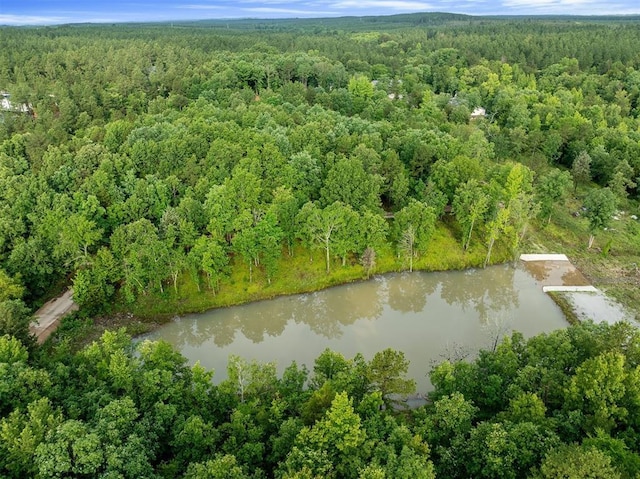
column 543, row 257
column 555, row 273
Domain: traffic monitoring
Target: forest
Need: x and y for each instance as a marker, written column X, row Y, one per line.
column 164, row 168
column 561, row 405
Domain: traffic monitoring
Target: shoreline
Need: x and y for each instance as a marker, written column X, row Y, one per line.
column 300, row 274
column 140, row 324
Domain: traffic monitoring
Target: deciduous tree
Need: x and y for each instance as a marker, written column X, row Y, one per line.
column 600, row 205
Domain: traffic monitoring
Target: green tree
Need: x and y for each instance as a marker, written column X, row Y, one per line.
column 176, row 262
column 285, row 207
column 413, row 226
column 622, row 180
column 246, row 244
column 447, row 176
column 470, row 204
column 597, row 390
column 581, row 170
column 10, row 287
column 600, row 205
column 372, row 231
column 577, row 462
column 209, row 256
column 347, row 238
column 497, row 226
column 222, row 467
column 259, row 243
column 77, row 235
column 387, row 374
column 526, row 407
column 348, row 182
column 306, row 182
column 407, row 244
column 444, row 426
column 94, row 286
column 332, row 447
column 250, row 380
column 142, row 255
column 70, row 450
column 395, row 187
column 622, row 458
column 269, row 237
column 22, row 432
column 361, row 90
column 15, row 318
column 320, row 226
column 551, row 190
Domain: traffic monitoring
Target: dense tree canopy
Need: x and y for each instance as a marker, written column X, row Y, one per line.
column 137, row 156
column 138, row 141
column 563, row 404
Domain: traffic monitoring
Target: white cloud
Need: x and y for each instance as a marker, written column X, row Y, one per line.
column 405, row 5
column 201, row 7
column 546, row 3
column 568, row 7
column 31, row 20
column 287, row 5
column 286, row 11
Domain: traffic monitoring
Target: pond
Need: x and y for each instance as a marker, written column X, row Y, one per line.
column 428, row 316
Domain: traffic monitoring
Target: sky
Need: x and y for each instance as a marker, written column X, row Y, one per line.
column 47, row 12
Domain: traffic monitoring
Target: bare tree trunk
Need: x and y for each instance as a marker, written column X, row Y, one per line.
column 591, row 239
column 488, row 258
column 326, row 249
column 466, row 245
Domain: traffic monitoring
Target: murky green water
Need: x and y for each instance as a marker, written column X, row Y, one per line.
column 429, row 316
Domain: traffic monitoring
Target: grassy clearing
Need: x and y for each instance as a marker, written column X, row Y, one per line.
column 612, row 264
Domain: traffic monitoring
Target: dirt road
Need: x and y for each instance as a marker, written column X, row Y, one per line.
column 48, row 317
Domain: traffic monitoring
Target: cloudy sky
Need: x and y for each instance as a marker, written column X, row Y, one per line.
column 39, row 12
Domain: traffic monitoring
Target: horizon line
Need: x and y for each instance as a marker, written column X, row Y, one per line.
column 313, row 17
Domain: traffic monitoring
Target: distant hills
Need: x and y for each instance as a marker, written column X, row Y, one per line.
column 377, row 22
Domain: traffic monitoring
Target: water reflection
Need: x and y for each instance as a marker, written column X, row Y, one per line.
column 556, row 273
column 327, row 312
column 490, row 296
column 408, row 292
column 429, row 316
column 540, row 270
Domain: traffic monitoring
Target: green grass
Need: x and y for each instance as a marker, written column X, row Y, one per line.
column 611, row 264
column 565, row 306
